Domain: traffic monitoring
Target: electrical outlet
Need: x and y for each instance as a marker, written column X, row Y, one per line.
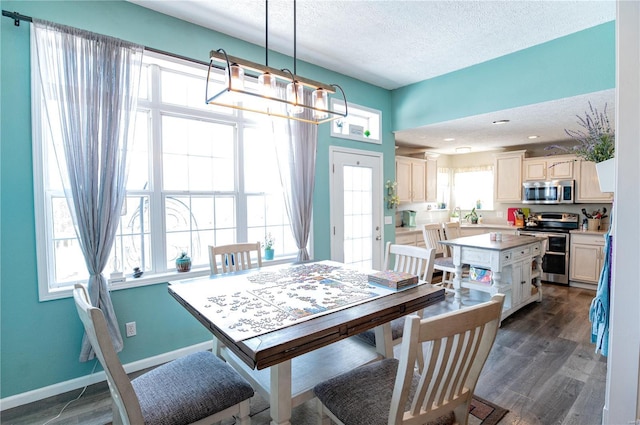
column 131, row 329
column 499, row 214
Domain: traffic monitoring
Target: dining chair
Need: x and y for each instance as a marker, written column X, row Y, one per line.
column 391, row 391
column 433, row 233
column 234, row 257
column 195, row 389
column 403, row 258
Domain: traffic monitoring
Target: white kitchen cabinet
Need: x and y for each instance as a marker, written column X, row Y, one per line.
column 587, row 258
column 409, row 238
column 508, row 176
column 411, row 178
column 432, row 180
column 587, row 185
column 549, row 168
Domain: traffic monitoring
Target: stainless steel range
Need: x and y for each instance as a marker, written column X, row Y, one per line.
column 555, row 227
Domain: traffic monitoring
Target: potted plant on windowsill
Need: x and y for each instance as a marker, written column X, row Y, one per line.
column 472, row 216
column 596, row 144
column 269, row 241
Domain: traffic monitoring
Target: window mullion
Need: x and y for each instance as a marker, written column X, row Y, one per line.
column 241, row 210
column 157, row 201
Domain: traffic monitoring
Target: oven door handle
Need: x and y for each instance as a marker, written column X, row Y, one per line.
column 555, row 253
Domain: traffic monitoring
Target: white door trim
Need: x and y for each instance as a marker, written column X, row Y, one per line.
column 372, row 154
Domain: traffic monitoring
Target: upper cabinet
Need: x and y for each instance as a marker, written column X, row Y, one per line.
column 548, row 168
column 417, row 179
column 432, row 180
column 508, row 176
column 587, row 185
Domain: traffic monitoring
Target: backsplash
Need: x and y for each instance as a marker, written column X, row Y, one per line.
column 427, row 213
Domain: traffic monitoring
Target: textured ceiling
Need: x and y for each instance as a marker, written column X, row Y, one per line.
column 394, row 43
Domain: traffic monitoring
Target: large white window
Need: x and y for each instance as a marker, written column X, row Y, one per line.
column 473, row 187
column 199, row 175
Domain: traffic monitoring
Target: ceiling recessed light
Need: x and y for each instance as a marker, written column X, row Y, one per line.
column 463, row 149
column 449, row 139
column 501, row 122
column 533, row 137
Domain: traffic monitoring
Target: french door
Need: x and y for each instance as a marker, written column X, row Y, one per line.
column 357, row 236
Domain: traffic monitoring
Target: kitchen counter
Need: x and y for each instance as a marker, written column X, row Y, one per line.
column 588, row 232
column 488, row 226
column 515, row 263
column 407, row 230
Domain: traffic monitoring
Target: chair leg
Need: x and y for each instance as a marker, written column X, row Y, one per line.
column 243, row 416
column 217, row 347
column 323, row 419
column 117, row 419
column 461, row 413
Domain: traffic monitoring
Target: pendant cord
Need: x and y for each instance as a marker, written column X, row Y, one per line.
column 266, row 32
column 294, row 38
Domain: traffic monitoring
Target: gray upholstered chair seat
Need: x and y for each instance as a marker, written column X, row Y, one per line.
column 447, row 262
column 188, row 389
column 372, row 386
column 397, row 327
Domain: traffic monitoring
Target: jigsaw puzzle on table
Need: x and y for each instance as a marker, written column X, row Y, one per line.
column 271, row 300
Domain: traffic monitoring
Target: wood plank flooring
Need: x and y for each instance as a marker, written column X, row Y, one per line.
column 542, row 368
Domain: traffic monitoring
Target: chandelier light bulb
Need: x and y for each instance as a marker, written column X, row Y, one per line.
column 319, row 100
column 295, row 95
column 267, row 84
column 237, row 77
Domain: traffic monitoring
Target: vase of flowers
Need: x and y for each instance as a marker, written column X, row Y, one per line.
column 596, row 144
column 392, row 198
column 269, row 241
column 183, row 262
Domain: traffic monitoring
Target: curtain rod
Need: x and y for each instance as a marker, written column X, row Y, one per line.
column 17, row 17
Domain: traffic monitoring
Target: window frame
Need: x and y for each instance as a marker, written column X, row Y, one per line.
column 357, row 111
column 155, row 108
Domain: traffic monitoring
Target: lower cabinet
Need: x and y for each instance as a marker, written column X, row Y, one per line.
column 525, row 281
column 410, row 238
column 587, row 257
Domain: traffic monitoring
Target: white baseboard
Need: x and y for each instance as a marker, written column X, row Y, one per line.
column 63, row 387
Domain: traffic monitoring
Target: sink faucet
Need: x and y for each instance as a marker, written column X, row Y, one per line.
column 459, row 211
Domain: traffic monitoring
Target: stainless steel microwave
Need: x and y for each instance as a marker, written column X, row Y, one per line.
column 548, row 192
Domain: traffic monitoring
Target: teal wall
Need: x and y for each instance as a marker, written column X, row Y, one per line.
column 583, row 62
column 40, row 342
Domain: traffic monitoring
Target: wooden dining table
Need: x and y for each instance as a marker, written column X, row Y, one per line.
column 286, row 328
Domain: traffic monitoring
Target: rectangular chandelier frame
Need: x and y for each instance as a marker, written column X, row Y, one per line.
column 220, row 56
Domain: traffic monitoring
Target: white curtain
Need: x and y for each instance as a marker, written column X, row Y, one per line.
column 90, row 82
column 296, row 144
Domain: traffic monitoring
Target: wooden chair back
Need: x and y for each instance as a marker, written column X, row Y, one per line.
column 410, row 259
column 235, row 257
column 95, row 325
column 451, row 230
column 459, row 344
column 432, row 234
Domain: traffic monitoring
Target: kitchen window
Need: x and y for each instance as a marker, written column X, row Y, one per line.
column 472, row 186
column 199, row 175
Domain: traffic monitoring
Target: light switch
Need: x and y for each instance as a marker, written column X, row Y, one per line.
column 388, row 219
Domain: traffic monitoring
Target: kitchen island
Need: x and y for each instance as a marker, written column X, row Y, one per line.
column 515, row 263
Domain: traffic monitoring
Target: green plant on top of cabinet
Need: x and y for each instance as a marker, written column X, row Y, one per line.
column 508, row 176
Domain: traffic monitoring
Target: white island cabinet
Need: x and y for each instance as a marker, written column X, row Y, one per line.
column 515, row 263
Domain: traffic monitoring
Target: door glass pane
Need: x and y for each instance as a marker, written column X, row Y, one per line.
column 358, row 216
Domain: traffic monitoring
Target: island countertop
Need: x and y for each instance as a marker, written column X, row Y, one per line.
column 484, row 241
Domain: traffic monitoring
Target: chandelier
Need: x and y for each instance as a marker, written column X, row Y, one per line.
column 268, row 99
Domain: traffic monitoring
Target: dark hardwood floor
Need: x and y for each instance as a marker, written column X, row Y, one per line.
column 542, row 368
